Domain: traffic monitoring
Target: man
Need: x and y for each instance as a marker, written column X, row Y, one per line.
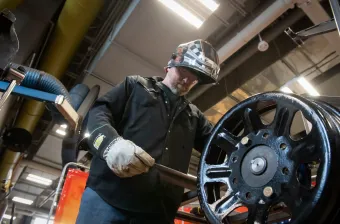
column 139, row 122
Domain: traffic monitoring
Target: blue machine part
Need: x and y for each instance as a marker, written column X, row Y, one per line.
column 29, row 93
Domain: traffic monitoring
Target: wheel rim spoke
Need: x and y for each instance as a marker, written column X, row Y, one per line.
column 226, row 141
column 225, row 205
column 252, row 120
column 295, row 196
column 257, row 214
column 283, row 120
column 304, row 150
column 217, row 173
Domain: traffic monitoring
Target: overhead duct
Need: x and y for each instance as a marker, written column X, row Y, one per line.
column 73, row 23
column 267, row 17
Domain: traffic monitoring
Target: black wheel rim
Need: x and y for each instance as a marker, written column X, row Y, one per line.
column 266, row 143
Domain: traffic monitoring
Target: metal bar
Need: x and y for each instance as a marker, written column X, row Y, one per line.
column 29, row 93
column 335, row 5
column 57, row 191
column 7, row 93
column 46, row 199
column 177, row 178
column 190, row 218
column 12, row 214
column 65, row 108
column 322, row 28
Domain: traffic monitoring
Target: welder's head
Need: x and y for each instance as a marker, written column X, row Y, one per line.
column 200, row 58
column 182, row 79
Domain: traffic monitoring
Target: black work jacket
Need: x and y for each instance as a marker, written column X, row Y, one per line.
column 136, row 110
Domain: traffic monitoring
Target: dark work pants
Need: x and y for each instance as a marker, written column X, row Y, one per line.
column 93, row 209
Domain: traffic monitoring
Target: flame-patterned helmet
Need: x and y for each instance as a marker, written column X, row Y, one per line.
column 200, row 57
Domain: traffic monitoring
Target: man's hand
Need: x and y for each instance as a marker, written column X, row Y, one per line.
column 126, row 159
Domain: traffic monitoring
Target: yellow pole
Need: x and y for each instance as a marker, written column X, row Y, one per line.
column 9, row 4
column 73, row 23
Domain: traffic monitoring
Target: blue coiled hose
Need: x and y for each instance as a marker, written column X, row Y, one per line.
column 39, row 80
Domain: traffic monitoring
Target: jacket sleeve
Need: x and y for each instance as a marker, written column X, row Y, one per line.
column 203, row 132
column 106, row 114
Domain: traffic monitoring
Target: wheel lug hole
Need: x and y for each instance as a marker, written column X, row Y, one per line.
column 234, row 159
column 285, row 171
column 265, row 135
column 235, row 181
column 248, row 195
column 283, row 146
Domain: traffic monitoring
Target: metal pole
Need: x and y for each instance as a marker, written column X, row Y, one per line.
column 12, row 214
column 335, row 5
column 177, row 178
column 190, row 218
column 57, row 191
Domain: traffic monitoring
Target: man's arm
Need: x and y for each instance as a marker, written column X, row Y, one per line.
column 122, row 156
column 106, row 114
column 203, row 131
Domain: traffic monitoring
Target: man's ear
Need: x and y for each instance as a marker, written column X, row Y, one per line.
column 166, row 69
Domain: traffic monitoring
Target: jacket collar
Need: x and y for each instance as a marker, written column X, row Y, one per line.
column 150, row 84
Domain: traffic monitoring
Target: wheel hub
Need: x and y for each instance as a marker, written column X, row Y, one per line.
column 259, row 166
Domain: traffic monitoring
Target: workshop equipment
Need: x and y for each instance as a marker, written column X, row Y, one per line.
column 70, row 197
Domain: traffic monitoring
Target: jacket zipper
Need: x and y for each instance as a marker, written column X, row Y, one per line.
column 172, row 121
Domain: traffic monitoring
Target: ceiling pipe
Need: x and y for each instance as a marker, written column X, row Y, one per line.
column 115, row 30
column 267, row 17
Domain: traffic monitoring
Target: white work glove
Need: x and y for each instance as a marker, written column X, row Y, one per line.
column 126, row 159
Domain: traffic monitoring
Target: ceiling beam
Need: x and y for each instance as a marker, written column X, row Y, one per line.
column 34, row 185
column 317, row 14
column 251, row 49
column 25, row 192
column 249, row 69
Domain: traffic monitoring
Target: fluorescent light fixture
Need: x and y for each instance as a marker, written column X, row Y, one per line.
column 308, row 87
column 183, row 12
column 210, row 4
column 22, row 200
column 86, row 135
column 39, row 220
column 39, row 180
column 61, row 132
column 63, row 126
column 285, row 89
column 8, row 217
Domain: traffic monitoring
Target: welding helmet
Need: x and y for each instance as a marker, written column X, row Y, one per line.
column 200, row 58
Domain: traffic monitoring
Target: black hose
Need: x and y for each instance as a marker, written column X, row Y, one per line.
column 40, row 80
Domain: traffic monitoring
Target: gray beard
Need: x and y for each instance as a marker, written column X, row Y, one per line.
column 177, row 90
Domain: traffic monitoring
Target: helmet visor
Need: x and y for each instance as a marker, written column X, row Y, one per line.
column 209, row 52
